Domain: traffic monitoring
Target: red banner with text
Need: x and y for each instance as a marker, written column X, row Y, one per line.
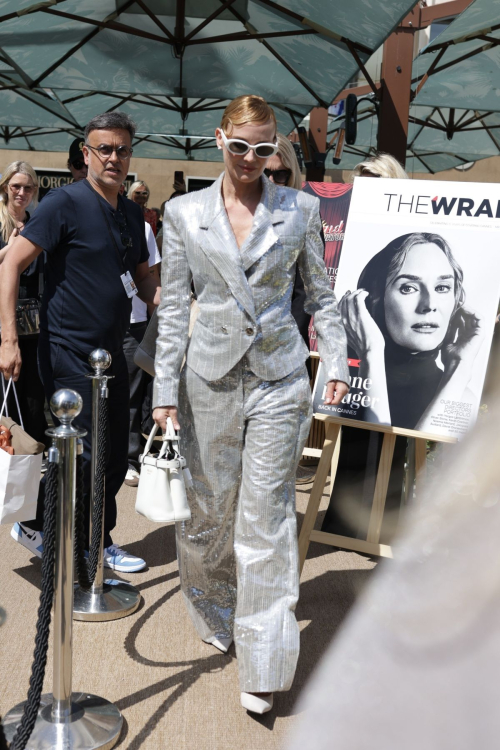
column 334, row 200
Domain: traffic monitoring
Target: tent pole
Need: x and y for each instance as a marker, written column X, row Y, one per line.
column 396, row 89
column 318, row 126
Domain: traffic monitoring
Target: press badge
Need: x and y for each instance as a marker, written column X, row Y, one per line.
column 129, row 284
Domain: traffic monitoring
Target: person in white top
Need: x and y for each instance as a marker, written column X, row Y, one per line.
column 138, row 379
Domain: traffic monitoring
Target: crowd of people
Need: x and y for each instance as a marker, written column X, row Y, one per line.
column 249, row 250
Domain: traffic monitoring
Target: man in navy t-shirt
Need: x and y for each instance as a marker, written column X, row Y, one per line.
column 95, row 248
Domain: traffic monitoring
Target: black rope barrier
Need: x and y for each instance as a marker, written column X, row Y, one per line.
column 87, row 571
column 80, row 535
column 25, row 728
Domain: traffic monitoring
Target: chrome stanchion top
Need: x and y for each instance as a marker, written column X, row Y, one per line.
column 99, row 360
column 66, row 405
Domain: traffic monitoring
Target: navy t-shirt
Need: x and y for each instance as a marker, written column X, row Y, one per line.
column 84, row 304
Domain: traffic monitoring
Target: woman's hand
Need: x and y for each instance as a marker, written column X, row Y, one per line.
column 462, row 343
column 161, row 414
column 363, row 334
column 335, row 392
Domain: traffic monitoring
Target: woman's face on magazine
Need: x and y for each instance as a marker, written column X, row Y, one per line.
column 420, row 300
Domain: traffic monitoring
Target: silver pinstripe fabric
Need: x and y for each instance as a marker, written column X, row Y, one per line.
column 243, row 289
column 238, row 558
column 245, row 408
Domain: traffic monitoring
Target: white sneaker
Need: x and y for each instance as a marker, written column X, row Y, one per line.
column 117, row 559
column 32, row 540
column 132, row 478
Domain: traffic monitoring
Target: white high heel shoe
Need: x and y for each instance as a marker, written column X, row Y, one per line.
column 257, row 704
column 222, row 644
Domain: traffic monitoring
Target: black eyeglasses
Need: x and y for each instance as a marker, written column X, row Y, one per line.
column 126, row 239
column 280, row 176
column 105, row 150
column 78, row 164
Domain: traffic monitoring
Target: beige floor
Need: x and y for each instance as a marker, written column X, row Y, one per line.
column 174, row 691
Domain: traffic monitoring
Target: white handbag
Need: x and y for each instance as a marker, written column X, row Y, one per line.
column 161, row 494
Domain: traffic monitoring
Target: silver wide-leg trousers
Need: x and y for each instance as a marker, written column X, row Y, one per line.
column 238, row 556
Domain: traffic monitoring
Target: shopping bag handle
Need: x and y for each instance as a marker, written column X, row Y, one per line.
column 4, row 405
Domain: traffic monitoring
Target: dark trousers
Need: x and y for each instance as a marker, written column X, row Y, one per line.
column 61, row 367
column 138, row 384
column 30, row 393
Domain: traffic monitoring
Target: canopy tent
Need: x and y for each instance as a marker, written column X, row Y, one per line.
column 461, row 67
column 174, row 64
column 159, row 123
column 150, row 147
column 438, row 138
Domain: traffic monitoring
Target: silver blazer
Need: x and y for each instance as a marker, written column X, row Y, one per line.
column 244, row 294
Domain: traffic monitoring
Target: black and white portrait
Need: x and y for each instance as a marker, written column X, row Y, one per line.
column 419, row 310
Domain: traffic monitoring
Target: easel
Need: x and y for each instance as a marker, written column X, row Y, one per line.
column 330, row 457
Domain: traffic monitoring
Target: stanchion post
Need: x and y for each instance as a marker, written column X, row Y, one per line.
column 100, row 360
column 65, row 719
column 107, row 599
column 64, row 453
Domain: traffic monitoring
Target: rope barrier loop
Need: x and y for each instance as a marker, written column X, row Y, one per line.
column 27, row 724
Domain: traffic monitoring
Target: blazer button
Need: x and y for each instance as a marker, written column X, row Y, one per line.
column 223, row 329
column 249, row 331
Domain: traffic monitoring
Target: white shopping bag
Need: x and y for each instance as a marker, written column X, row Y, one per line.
column 161, row 494
column 19, row 476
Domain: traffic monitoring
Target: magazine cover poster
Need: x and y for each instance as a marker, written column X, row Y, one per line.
column 418, row 287
column 334, row 200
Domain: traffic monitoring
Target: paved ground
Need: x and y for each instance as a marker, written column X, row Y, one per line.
column 174, row 690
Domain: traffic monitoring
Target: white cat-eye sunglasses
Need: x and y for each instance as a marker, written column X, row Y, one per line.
column 238, row 147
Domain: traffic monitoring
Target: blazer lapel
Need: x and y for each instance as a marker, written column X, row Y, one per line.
column 219, row 245
column 263, row 235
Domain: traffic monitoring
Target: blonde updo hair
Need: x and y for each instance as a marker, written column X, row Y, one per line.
column 289, row 159
column 382, row 165
column 17, row 167
column 246, row 109
column 135, row 185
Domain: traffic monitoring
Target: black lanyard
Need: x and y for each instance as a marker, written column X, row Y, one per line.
column 121, row 257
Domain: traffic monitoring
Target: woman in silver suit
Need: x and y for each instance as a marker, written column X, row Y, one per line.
column 243, row 395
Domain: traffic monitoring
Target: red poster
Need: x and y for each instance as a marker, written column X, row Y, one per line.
column 334, row 200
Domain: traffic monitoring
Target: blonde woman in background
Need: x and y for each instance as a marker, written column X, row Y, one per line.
column 139, row 193
column 19, row 189
column 283, row 168
column 380, row 165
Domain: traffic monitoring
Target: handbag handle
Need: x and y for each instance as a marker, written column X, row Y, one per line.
column 4, row 405
column 168, row 436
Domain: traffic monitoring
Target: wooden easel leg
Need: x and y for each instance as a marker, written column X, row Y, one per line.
column 381, row 486
column 330, row 446
column 420, row 463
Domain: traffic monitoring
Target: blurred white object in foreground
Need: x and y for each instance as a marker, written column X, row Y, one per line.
column 416, row 664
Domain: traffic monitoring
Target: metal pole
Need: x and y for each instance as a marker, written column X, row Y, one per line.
column 108, row 599
column 100, row 360
column 64, row 573
column 65, row 719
